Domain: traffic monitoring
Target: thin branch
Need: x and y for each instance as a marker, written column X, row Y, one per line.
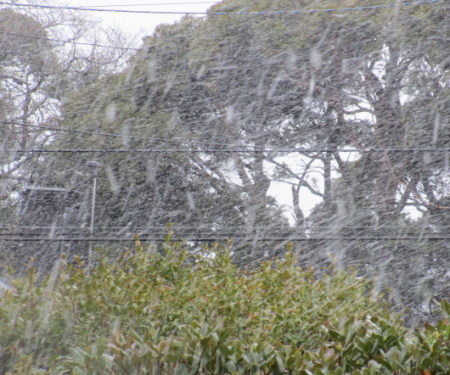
column 15, row 79
column 407, row 193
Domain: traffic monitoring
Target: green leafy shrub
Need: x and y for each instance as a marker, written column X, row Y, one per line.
column 178, row 313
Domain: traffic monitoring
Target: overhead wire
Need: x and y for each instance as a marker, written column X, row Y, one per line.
column 244, row 150
column 138, row 49
column 114, row 135
column 182, row 233
column 181, row 228
column 152, row 4
column 227, row 238
column 68, row 41
column 183, row 140
column 250, row 13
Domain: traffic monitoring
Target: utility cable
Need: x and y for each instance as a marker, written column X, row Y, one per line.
column 70, row 41
column 173, row 140
column 113, row 135
column 250, row 13
column 152, row 4
column 375, row 234
column 184, row 228
column 225, row 150
column 217, row 238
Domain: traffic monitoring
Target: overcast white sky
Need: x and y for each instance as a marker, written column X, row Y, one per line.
column 141, row 24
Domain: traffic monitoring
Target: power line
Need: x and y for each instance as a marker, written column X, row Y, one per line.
column 152, row 4
column 52, row 128
column 226, row 150
column 183, row 140
column 184, row 228
column 71, row 41
column 278, row 12
column 217, row 238
column 189, row 231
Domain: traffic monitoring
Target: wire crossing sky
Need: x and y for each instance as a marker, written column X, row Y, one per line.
column 151, row 4
column 72, row 42
column 245, row 150
column 262, row 13
column 182, row 140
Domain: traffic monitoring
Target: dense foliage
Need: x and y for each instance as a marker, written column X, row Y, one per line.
column 41, row 62
column 214, row 116
column 172, row 312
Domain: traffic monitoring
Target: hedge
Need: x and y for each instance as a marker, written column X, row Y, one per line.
column 174, row 312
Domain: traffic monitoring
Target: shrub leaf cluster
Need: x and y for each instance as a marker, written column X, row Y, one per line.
column 172, row 312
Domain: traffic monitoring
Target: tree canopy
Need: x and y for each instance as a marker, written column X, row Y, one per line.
column 350, row 107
